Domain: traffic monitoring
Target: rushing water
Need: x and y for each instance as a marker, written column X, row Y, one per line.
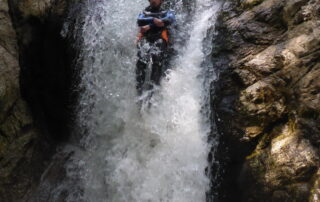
column 156, row 154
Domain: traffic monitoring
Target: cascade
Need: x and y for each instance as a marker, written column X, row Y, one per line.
column 153, row 154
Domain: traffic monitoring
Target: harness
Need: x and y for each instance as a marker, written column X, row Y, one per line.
column 164, row 35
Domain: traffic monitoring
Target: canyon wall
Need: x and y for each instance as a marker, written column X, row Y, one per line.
column 35, row 82
column 268, row 99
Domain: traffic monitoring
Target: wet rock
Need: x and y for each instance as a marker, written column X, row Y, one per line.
column 26, row 143
column 262, row 102
column 250, row 3
column 281, row 166
column 56, row 182
column 271, row 132
column 293, row 11
column 315, row 190
column 18, row 134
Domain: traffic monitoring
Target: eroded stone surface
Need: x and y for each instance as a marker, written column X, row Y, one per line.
column 274, row 53
column 282, row 165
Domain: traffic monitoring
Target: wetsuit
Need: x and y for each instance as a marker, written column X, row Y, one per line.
column 152, row 45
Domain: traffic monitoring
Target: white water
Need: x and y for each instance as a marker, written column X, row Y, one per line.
column 159, row 154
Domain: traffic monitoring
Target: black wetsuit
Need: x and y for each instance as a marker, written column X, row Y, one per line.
column 152, row 46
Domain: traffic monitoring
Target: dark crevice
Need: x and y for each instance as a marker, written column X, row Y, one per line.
column 46, row 79
column 46, row 69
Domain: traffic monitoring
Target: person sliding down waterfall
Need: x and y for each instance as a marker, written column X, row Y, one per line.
column 152, row 42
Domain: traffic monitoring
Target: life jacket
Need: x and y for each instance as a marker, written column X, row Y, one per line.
column 164, row 35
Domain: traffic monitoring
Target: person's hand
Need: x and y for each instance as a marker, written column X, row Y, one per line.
column 144, row 29
column 158, row 22
column 138, row 38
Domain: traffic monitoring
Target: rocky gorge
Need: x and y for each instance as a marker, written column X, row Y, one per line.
column 266, row 98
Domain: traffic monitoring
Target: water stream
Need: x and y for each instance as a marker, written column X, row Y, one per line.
column 157, row 154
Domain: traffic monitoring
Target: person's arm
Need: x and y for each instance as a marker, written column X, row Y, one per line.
column 169, row 18
column 143, row 20
column 144, row 23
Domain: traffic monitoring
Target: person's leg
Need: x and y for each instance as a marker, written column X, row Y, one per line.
column 140, row 75
column 142, row 63
column 158, row 60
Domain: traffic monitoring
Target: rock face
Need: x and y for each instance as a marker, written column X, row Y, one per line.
column 34, row 84
column 45, row 59
column 18, row 134
column 268, row 99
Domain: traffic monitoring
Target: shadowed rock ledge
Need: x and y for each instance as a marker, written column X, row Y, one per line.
column 267, row 100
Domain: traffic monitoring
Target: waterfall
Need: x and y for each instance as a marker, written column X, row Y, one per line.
column 155, row 154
